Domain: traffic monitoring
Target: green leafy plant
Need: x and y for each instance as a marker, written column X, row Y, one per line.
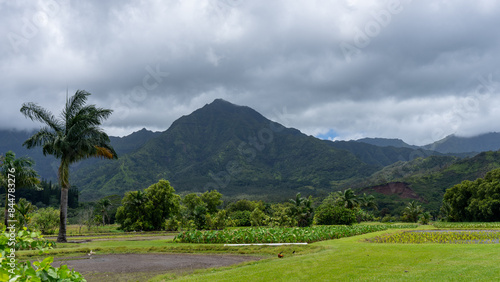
column 12, row 270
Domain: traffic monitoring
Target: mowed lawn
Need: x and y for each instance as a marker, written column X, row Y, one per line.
column 353, row 258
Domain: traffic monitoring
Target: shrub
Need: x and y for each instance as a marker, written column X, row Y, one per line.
column 425, row 218
column 46, row 220
column 334, row 215
column 241, row 218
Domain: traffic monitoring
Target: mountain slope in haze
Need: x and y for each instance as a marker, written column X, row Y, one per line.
column 381, row 155
column 387, row 142
column 12, row 140
column 231, row 148
column 132, row 142
column 455, row 144
column 47, row 166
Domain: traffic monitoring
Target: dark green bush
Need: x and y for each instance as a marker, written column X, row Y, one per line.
column 334, row 215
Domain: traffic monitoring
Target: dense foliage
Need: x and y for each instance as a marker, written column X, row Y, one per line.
column 148, row 210
column 333, row 212
column 49, row 195
column 334, row 215
column 344, row 208
column 477, row 200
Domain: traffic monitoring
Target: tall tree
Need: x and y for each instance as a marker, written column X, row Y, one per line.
column 73, row 137
column 150, row 209
column 21, row 175
column 212, row 199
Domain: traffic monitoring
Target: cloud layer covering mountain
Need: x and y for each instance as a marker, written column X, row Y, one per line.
column 416, row 70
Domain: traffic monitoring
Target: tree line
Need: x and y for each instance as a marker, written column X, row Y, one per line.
column 477, row 200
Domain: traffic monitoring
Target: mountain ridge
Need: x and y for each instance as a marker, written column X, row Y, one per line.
column 233, row 149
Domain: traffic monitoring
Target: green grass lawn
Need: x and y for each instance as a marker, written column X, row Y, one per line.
column 355, row 259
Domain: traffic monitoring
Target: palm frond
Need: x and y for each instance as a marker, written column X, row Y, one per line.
column 26, row 176
column 41, row 138
column 35, row 112
column 74, row 104
column 88, row 117
column 103, row 152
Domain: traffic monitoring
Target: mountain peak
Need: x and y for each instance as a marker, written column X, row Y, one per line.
column 221, row 104
column 220, row 101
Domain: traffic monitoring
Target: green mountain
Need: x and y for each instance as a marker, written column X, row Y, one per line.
column 237, row 151
column 233, row 149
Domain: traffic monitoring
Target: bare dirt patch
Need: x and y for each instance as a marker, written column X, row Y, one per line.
column 401, row 189
column 141, row 267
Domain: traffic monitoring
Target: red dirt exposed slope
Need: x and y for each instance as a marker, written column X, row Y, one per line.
column 401, row 189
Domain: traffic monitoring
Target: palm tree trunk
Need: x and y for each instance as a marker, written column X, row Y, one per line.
column 63, row 215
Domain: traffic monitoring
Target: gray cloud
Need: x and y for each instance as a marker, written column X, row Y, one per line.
column 416, row 70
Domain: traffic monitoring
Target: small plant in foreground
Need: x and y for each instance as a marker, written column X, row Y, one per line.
column 37, row 271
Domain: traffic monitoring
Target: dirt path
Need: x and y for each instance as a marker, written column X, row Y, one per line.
column 141, row 267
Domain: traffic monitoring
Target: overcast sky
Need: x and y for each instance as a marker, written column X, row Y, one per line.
column 346, row 69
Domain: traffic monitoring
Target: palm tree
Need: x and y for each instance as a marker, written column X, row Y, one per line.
column 21, row 175
column 368, row 201
column 104, row 204
column 412, row 211
column 73, row 137
column 348, row 199
column 302, row 210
